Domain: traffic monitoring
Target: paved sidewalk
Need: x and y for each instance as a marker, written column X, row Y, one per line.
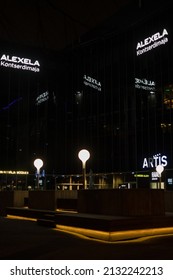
column 25, row 239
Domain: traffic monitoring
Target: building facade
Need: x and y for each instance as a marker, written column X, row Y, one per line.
column 112, row 95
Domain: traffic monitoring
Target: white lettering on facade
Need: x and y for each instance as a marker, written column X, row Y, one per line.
column 152, row 42
column 154, row 161
column 19, row 63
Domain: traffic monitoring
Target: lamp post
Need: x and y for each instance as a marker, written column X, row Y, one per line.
column 159, row 169
column 38, row 163
column 84, row 155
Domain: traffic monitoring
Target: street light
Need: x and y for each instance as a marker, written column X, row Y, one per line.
column 84, row 155
column 38, row 163
column 159, row 169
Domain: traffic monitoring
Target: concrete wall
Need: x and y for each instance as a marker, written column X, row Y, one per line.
column 122, row 202
column 11, row 199
column 51, row 200
column 66, row 194
column 19, row 197
column 45, row 200
column 106, row 201
column 169, row 201
column 6, row 199
column 67, row 199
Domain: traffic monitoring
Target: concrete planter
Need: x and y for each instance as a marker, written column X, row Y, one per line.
column 122, row 202
column 11, row 199
column 44, row 200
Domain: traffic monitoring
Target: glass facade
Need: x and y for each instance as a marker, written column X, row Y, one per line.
column 122, row 97
column 112, row 96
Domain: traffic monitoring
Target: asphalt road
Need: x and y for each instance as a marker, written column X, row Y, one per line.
column 25, row 240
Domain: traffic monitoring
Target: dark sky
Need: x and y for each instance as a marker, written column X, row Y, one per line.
column 53, row 24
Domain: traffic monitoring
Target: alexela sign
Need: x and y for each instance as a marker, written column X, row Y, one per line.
column 91, row 82
column 19, row 63
column 154, row 41
column 154, row 161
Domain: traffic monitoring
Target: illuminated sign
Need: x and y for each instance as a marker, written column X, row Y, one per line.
column 154, row 176
column 154, row 41
column 14, row 172
column 42, row 98
column 154, row 161
column 170, row 181
column 141, row 175
column 19, row 63
column 93, row 83
column 145, row 84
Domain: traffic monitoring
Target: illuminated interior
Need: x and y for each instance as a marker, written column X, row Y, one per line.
column 168, row 97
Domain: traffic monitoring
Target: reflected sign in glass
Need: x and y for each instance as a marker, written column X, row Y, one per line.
column 42, row 98
column 91, row 82
column 145, row 84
